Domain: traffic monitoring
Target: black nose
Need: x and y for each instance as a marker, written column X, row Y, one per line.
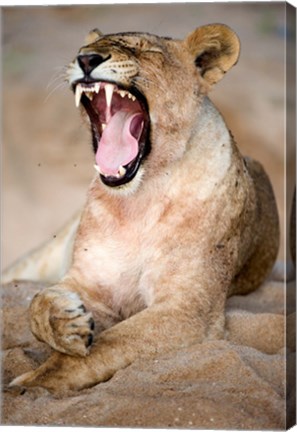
column 89, row 62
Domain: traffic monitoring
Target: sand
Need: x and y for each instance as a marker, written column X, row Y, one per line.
column 235, row 383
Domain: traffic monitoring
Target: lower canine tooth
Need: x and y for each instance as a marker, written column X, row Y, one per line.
column 122, row 171
column 103, row 126
column 98, row 169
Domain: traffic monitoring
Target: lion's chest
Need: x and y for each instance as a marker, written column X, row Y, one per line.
column 118, row 252
column 118, row 259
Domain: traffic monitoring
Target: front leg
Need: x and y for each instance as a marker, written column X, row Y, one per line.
column 186, row 305
column 59, row 318
column 167, row 325
column 64, row 316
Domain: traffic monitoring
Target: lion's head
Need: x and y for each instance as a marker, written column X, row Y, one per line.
column 142, row 93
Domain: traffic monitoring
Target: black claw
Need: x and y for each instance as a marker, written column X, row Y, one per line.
column 89, row 340
column 82, row 308
column 91, row 323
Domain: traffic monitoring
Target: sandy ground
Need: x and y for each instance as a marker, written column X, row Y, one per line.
column 237, row 383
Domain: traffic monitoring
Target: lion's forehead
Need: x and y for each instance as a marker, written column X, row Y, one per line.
column 136, row 38
column 131, row 41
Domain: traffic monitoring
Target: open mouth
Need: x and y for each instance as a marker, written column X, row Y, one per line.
column 120, row 127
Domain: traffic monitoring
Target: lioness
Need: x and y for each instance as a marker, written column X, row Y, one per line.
column 176, row 219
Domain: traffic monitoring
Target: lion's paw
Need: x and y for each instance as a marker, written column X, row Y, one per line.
column 60, row 374
column 59, row 318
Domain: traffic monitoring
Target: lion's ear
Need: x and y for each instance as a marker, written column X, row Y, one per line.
column 215, row 49
column 93, row 36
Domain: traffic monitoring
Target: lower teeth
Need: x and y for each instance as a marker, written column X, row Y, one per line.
column 121, row 172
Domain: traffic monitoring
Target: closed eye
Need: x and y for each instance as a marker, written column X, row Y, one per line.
column 154, row 50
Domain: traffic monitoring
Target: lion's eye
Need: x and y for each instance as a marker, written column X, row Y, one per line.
column 154, row 50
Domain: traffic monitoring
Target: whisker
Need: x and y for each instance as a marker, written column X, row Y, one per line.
column 146, row 81
column 59, row 74
column 54, row 80
column 71, row 66
column 58, row 86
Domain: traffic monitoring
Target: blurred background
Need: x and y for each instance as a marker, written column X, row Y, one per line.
column 47, row 160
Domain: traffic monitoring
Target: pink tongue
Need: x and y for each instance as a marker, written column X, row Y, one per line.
column 118, row 146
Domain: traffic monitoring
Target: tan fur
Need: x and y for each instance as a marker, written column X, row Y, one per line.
column 154, row 261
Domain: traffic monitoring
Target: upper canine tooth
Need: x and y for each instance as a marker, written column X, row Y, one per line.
column 78, row 93
column 108, row 94
column 97, row 87
column 103, row 125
